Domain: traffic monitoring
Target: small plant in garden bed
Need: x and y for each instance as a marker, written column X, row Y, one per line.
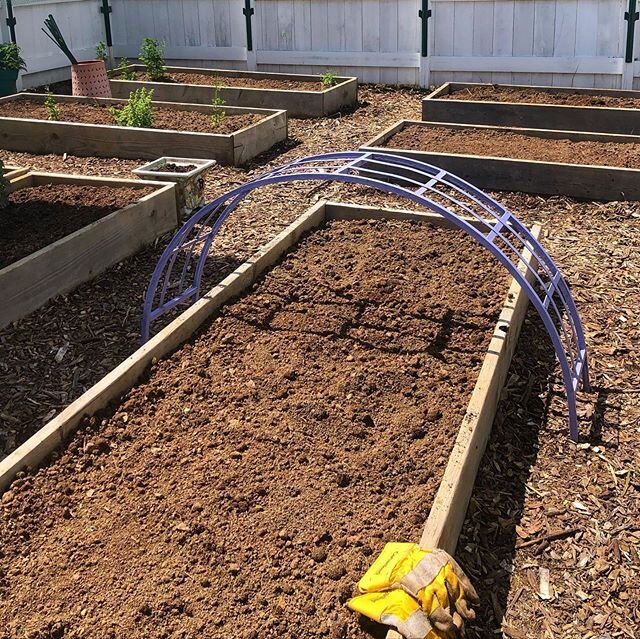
column 122, row 71
column 137, row 111
column 328, row 79
column 152, row 56
column 217, row 103
column 53, row 110
column 101, row 51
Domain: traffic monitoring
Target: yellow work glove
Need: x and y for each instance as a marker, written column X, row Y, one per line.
column 397, row 609
column 433, row 578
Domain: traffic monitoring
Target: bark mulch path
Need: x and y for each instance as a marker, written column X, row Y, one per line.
column 243, row 489
column 497, row 93
column 534, row 482
column 232, row 81
column 485, row 142
column 163, row 118
column 596, row 246
column 39, row 215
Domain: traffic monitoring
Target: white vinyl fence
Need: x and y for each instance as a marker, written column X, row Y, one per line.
column 560, row 42
column 80, row 21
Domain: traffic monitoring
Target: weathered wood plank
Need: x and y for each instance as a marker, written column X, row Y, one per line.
column 80, row 256
column 447, row 514
column 537, row 116
column 315, row 102
column 529, row 176
column 46, row 136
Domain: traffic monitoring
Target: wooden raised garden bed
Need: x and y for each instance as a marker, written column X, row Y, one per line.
column 548, row 162
column 12, row 172
column 302, row 96
column 62, row 230
column 537, row 107
column 339, row 379
column 87, row 128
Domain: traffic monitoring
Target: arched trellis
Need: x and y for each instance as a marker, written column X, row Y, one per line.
column 178, row 274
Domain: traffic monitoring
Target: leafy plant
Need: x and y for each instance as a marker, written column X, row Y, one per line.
column 137, row 111
column 122, row 71
column 101, row 51
column 218, row 114
column 152, row 56
column 4, row 187
column 328, row 79
column 11, row 58
column 50, row 104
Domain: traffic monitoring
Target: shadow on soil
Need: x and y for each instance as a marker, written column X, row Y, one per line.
column 487, row 545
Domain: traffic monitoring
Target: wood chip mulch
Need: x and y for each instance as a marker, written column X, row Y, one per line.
column 552, row 535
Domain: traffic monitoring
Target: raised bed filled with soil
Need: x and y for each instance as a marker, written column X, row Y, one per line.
column 61, row 230
column 302, row 96
column 254, row 473
column 582, row 165
column 537, row 107
column 87, row 127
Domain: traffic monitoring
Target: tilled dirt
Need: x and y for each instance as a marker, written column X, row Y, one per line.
column 40, row 215
column 231, row 81
column 244, row 488
column 497, row 93
column 515, row 145
column 163, row 118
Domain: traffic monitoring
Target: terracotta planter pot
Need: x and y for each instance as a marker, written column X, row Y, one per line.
column 89, row 78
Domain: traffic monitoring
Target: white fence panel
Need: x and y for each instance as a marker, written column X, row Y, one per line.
column 81, row 24
column 377, row 40
column 195, row 32
column 558, row 42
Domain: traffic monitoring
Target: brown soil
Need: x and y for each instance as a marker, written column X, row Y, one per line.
column 515, row 145
column 172, row 167
column 497, row 93
column 39, row 215
column 230, row 81
column 163, row 118
column 245, row 487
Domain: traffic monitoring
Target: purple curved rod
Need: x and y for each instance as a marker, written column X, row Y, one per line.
column 418, row 182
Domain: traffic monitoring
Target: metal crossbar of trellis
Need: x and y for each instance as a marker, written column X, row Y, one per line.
column 178, row 275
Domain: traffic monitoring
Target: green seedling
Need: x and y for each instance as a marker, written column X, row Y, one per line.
column 218, row 114
column 50, row 104
column 328, row 79
column 137, row 112
column 152, row 56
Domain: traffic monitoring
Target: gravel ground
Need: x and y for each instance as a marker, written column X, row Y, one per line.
column 533, row 481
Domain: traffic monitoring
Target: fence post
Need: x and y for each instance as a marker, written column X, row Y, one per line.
column 105, row 10
column 424, row 14
column 631, row 16
column 248, row 11
column 11, row 21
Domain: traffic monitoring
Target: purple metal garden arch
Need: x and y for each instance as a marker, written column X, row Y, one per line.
column 178, row 274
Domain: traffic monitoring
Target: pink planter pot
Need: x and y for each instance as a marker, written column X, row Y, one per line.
column 89, row 78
